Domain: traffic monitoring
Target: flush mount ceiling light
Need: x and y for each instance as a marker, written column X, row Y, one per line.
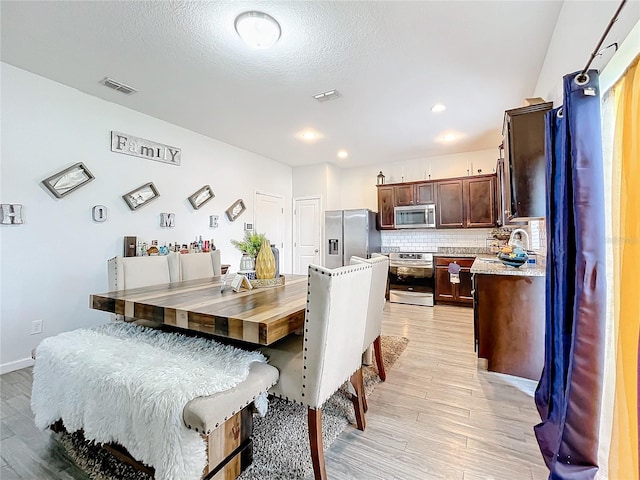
column 308, row 135
column 449, row 137
column 438, row 107
column 343, row 154
column 257, row 29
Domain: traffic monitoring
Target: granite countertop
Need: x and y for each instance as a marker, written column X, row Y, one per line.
column 490, row 265
column 461, row 252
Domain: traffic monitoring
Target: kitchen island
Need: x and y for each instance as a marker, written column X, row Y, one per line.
column 509, row 316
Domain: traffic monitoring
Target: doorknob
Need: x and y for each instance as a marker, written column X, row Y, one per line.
column 316, row 250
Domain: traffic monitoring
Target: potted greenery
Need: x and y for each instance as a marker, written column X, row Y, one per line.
column 249, row 246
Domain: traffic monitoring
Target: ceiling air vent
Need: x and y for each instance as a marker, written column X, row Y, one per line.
column 120, row 87
column 328, row 95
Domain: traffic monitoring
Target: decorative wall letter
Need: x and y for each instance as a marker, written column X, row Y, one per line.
column 11, row 214
column 213, row 221
column 168, row 220
column 99, row 213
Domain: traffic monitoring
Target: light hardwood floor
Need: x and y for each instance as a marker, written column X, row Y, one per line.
column 438, row 416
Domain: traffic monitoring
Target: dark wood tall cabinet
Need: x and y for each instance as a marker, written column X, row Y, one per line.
column 385, row 207
column 524, row 186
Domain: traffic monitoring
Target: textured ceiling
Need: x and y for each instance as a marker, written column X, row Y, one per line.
column 391, row 61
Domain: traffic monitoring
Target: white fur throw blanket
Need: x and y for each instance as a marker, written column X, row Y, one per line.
column 129, row 384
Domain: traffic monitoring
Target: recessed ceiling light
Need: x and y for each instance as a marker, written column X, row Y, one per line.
column 343, row 154
column 257, row 29
column 449, row 137
column 308, row 135
column 438, row 107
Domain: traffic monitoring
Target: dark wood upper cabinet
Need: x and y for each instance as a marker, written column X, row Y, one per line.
column 385, row 207
column 524, row 185
column 466, row 202
column 425, row 193
column 480, row 201
column 403, row 195
column 450, row 206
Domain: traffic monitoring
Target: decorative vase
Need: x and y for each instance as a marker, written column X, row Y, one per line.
column 246, row 262
column 276, row 255
column 265, row 262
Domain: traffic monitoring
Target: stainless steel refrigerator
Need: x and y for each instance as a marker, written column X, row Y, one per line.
column 348, row 233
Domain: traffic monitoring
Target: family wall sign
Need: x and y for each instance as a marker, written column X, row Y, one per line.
column 139, row 147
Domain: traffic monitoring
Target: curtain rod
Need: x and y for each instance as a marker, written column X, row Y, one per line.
column 582, row 77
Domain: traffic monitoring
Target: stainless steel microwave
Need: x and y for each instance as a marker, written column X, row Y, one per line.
column 415, row 216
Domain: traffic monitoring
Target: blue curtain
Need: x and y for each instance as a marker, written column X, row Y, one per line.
column 570, row 389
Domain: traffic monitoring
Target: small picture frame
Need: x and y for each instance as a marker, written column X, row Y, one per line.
column 68, row 180
column 239, row 282
column 201, row 197
column 142, row 195
column 235, row 210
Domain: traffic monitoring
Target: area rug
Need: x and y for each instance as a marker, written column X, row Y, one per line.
column 280, row 439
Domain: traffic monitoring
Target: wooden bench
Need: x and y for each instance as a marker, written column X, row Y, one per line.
column 225, row 421
column 106, row 381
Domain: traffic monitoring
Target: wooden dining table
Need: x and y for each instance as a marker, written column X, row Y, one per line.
column 259, row 316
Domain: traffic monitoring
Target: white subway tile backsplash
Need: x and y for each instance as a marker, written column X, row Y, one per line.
column 430, row 240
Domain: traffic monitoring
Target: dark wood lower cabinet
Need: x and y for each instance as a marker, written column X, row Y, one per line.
column 454, row 293
column 510, row 323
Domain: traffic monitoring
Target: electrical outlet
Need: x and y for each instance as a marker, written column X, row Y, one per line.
column 36, row 327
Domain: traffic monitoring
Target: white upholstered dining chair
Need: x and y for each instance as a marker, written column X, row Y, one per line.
column 125, row 273
column 313, row 366
column 377, row 300
column 200, row 265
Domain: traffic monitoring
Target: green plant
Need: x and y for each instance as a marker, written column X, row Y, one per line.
column 250, row 243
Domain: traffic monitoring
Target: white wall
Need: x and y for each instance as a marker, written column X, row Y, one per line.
column 576, row 34
column 359, row 183
column 51, row 264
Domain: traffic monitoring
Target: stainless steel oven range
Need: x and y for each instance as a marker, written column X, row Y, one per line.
column 411, row 278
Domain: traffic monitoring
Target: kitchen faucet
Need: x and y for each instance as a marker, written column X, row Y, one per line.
column 518, row 242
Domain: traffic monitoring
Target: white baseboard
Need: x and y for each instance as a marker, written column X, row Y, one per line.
column 17, row 365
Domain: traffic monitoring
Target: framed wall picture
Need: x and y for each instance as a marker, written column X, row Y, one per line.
column 68, row 180
column 141, row 196
column 235, row 210
column 201, row 197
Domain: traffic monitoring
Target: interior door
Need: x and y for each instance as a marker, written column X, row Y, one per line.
column 269, row 219
column 307, row 232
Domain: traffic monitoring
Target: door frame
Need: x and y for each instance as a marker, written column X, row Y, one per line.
column 294, row 229
column 283, row 233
